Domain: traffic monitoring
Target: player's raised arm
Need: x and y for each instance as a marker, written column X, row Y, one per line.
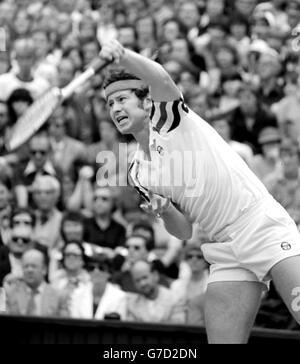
column 162, row 86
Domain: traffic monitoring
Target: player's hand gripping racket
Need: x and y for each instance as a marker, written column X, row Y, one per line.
column 36, row 115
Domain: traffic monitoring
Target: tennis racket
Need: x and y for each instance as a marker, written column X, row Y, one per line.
column 38, row 113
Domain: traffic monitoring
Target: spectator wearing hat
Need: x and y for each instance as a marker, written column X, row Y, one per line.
column 284, row 184
column 268, row 161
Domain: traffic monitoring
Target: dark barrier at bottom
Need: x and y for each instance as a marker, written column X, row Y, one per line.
column 27, row 330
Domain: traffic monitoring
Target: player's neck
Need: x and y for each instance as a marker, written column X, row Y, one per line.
column 142, row 137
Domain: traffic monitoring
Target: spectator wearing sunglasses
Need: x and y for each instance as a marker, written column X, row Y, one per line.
column 39, row 164
column 73, row 274
column 192, row 287
column 139, row 247
column 73, row 271
column 21, row 222
column 99, row 298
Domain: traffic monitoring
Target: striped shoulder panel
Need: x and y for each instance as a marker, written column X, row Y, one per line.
column 166, row 116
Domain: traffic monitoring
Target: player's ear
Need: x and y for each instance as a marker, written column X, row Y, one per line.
column 147, row 103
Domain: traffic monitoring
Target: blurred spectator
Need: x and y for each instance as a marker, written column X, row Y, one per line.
column 5, row 209
column 22, row 25
column 287, row 112
column 165, row 252
column 127, row 36
column 271, row 85
column 284, row 184
column 78, row 108
column 250, row 118
column 66, row 152
column 146, row 32
column 244, row 8
column 46, row 193
column 138, row 247
column 230, row 86
column 45, row 59
column 39, row 164
column 4, row 127
column 99, row 299
column 20, row 239
column 108, row 149
column 72, row 273
column 189, row 17
column 22, row 75
column 4, row 62
column 268, row 161
column 90, row 50
column 102, row 229
column 153, row 302
column 33, row 296
column 224, row 128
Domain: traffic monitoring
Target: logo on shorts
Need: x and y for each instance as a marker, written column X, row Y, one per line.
column 286, row 246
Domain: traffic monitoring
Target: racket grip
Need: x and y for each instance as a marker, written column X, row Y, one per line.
column 94, row 67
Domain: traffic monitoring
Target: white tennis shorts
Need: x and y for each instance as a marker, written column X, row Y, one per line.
column 252, row 245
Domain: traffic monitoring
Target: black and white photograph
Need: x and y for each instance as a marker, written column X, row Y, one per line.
column 149, row 175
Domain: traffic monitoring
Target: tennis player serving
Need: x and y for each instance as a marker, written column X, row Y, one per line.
column 255, row 240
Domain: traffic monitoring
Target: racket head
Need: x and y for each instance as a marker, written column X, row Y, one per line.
column 34, row 117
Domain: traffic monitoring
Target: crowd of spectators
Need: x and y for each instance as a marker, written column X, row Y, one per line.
column 70, row 243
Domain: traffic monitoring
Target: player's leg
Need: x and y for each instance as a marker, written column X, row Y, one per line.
column 286, row 277
column 230, row 310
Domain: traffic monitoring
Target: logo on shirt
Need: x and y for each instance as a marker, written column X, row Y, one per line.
column 158, row 148
column 286, row 246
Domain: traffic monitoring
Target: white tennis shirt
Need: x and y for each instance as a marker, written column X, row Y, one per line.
column 196, row 168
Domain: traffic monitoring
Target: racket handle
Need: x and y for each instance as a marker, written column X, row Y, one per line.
column 95, row 66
